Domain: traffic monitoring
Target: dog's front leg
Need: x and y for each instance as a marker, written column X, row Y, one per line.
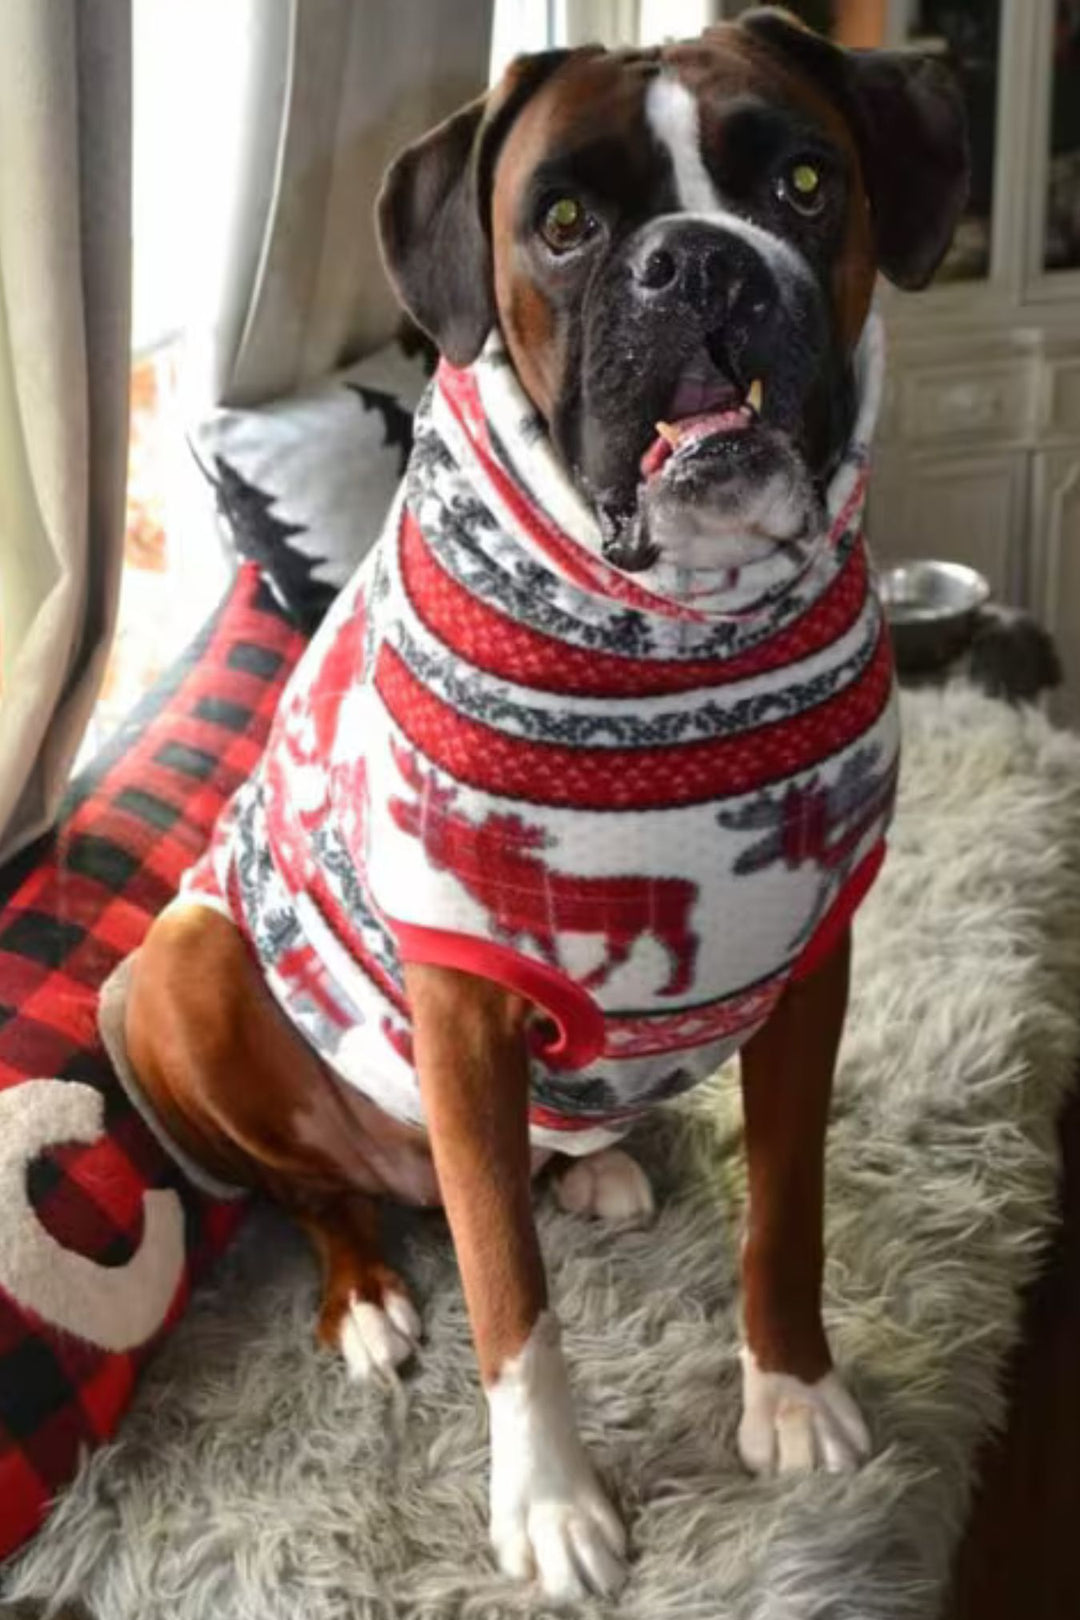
column 549, row 1516
column 797, row 1414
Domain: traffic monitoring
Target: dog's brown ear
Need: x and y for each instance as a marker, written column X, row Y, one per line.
column 433, row 213
column 909, row 123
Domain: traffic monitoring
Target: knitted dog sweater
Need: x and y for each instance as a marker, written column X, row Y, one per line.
column 644, row 802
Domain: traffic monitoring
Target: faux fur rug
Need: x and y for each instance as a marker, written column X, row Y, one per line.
column 253, row 1482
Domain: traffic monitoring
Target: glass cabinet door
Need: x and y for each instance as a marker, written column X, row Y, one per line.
column 1061, row 243
column 967, row 34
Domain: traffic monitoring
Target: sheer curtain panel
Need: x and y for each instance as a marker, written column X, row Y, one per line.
column 65, row 274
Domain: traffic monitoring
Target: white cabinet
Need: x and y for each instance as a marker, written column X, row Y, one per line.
column 981, row 463
column 979, row 448
column 960, row 405
column 1056, row 504
column 970, row 508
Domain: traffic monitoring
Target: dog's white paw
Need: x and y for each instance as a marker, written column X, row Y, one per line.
column 789, row 1427
column 376, row 1339
column 549, row 1516
column 610, row 1185
column 571, row 1542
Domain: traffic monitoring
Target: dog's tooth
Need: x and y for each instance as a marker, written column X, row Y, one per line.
column 754, row 395
column 666, row 431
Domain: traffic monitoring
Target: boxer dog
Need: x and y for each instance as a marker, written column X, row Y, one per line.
column 579, row 784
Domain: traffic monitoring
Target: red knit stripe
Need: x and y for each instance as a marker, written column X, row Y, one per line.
column 628, row 778
column 488, row 639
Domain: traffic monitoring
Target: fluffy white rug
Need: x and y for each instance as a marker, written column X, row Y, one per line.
column 253, row 1482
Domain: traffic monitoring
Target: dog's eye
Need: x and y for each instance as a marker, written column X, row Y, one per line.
column 801, row 186
column 565, row 224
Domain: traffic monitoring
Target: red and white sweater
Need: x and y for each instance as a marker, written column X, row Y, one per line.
column 645, row 803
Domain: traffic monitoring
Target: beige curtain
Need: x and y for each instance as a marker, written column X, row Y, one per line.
column 341, row 85
column 65, row 253
column 612, row 22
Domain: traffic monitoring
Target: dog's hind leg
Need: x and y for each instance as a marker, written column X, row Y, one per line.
column 609, row 1185
column 366, row 1310
column 244, row 1096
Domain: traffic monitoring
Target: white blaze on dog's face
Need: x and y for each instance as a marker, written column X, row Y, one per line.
column 680, row 246
column 779, row 503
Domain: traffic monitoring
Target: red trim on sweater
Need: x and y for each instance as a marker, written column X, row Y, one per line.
column 847, row 513
column 629, row 778
column 488, row 639
column 830, row 929
column 579, row 1022
column 571, row 1124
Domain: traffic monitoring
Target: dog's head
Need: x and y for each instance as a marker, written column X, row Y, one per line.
column 680, row 246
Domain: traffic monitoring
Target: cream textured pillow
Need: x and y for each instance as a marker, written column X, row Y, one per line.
column 303, row 484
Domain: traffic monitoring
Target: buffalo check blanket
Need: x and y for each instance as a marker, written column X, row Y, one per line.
column 100, row 1235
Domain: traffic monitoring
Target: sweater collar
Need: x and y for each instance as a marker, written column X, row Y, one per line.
column 501, row 434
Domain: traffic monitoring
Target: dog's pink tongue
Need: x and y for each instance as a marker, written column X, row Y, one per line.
column 689, row 430
column 654, row 457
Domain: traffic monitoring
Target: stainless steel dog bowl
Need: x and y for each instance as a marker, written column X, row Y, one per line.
column 931, row 608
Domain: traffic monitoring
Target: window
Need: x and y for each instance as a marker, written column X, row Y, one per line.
column 535, row 25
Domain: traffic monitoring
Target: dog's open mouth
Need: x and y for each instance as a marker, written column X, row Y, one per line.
column 721, row 481
column 706, row 405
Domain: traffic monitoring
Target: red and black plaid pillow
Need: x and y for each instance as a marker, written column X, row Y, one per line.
column 74, row 1213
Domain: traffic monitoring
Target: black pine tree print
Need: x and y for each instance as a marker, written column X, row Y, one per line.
column 412, row 341
column 248, row 511
column 397, row 421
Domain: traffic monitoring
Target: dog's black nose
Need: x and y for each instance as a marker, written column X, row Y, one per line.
column 705, row 267
column 657, row 271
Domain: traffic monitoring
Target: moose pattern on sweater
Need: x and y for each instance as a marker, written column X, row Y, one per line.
column 643, row 810
column 500, row 864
